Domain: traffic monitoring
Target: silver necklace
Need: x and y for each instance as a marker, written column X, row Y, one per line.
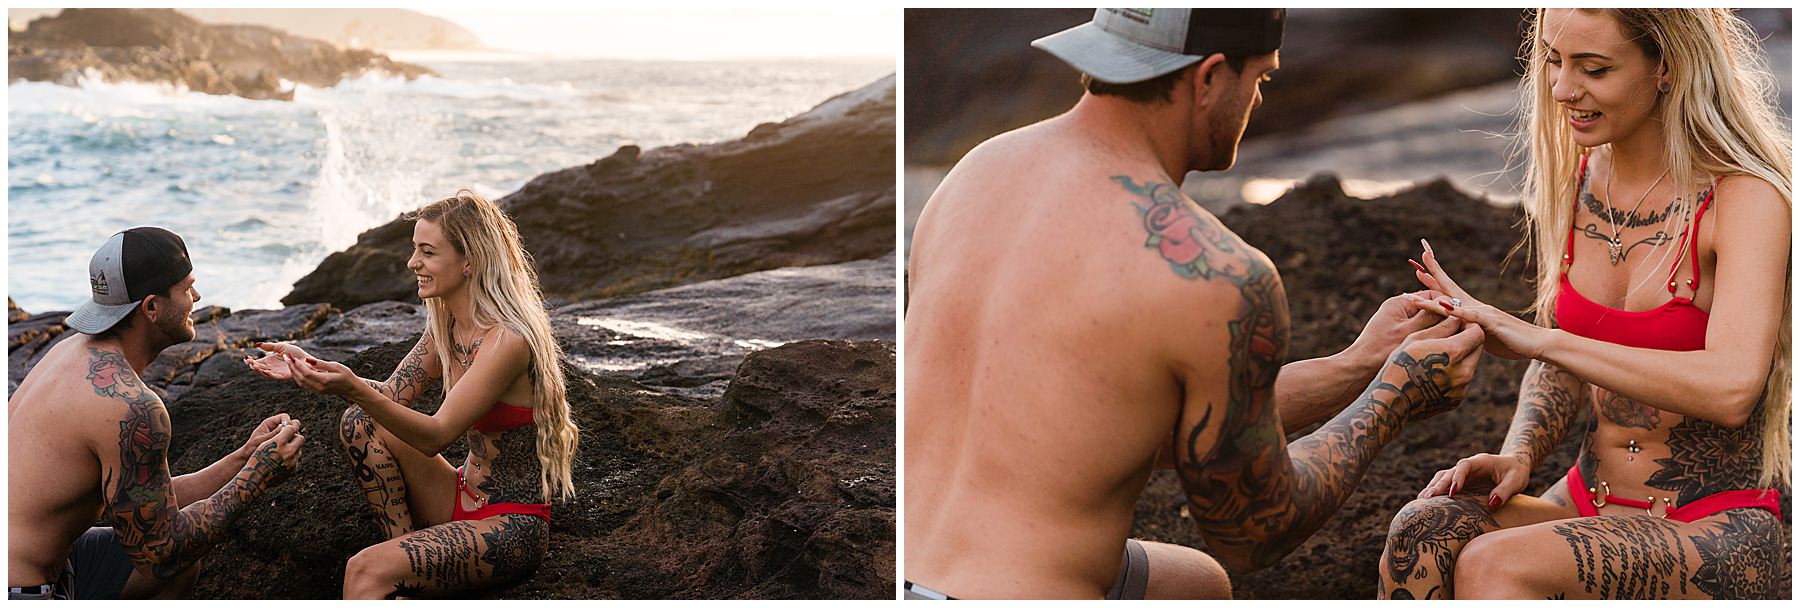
column 1615, row 246
column 463, row 356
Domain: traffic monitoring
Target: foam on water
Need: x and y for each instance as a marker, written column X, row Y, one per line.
column 264, row 190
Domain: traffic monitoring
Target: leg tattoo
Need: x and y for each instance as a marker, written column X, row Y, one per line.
column 464, row 555
column 1420, row 559
column 1635, row 557
column 376, row 471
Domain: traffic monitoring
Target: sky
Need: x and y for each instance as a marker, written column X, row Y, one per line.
column 684, row 32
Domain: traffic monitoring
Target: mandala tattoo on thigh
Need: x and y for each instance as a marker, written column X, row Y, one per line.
column 1740, row 559
column 515, row 547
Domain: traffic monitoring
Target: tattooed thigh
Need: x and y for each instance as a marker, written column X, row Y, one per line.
column 463, row 555
column 1740, row 555
column 1611, row 557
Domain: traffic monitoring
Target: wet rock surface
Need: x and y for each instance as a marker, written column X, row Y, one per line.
column 1339, row 258
column 163, row 45
column 689, row 340
column 817, row 188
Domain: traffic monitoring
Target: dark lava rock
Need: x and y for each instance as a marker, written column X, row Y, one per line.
column 163, row 45
column 28, row 338
column 1339, row 258
column 817, row 188
column 796, row 501
column 222, row 338
column 689, row 340
column 782, row 489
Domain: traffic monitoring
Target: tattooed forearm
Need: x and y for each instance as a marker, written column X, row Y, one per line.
column 156, row 534
column 411, row 376
column 1263, row 512
column 1548, row 404
column 1631, row 557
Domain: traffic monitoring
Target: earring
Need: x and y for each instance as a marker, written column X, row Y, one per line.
column 1662, row 86
column 465, row 274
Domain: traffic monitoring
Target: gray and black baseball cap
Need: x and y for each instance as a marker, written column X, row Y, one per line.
column 1126, row 45
column 131, row 265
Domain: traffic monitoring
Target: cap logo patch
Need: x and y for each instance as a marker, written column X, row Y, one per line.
column 98, row 282
column 1140, row 15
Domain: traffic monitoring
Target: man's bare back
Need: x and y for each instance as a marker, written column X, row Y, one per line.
column 55, row 424
column 88, row 444
column 1038, row 388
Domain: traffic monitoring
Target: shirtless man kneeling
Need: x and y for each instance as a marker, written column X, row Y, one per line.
column 88, row 442
column 1072, row 313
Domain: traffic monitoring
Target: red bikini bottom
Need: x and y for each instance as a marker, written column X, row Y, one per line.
column 1699, row 509
column 458, row 513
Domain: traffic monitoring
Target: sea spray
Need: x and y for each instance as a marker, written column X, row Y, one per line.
column 298, row 180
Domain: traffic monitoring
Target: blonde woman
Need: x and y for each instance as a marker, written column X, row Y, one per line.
column 487, row 336
column 1659, row 201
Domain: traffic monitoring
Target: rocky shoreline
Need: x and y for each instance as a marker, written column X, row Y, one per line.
column 164, row 45
column 817, row 188
column 727, row 312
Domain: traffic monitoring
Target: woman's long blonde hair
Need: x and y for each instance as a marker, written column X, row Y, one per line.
column 1720, row 120
column 504, row 291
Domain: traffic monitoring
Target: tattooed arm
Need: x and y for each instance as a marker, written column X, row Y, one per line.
column 159, row 537
column 420, row 367
column 1316, row 389
column 1256, row 499
column 503, row 359
column 1549, row 401
column 1253, row 496
column 205, row 482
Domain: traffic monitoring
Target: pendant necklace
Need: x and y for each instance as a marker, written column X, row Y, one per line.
column 1615, row 246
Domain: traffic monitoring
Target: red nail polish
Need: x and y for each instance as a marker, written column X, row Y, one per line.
column 1447, row 306
column 1418, row 266
column 1494, row 503
column 312, row 361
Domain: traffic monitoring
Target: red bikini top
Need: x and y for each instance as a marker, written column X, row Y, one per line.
column 1676, row 325
column 502, row 418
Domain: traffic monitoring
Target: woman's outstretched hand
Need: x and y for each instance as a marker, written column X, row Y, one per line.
column 1508, row 337
column 324, row 377
column 274, row 364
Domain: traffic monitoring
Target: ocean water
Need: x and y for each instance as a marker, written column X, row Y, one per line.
column 264, row 190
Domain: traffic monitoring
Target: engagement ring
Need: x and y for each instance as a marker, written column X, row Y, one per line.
column 1457, row 302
